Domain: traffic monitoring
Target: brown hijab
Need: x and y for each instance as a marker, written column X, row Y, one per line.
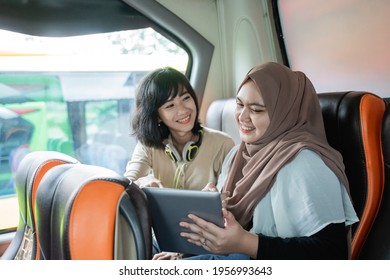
column 295, row 123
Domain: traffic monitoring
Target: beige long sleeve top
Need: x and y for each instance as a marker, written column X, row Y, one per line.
column 204, row 168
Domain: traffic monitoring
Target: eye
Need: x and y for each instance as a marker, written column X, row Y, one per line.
column 239, row 105
column 168, row 105
column 257, row 110
column 186, row 97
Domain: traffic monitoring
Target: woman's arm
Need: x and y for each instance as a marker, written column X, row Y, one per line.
column 327, row 244
column 230, row 239
column 140, row 163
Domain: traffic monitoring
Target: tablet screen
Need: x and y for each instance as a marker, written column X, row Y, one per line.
column 171, row 206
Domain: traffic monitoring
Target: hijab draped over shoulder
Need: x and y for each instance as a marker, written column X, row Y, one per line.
column 295, row 123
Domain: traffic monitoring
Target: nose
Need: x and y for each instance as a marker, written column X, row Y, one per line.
column 181, row 108
column 243, row 114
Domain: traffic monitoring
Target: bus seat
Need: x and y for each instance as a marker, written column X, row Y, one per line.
column 29, row 173
column 85, row 212
column 220, row 116
column 353, row 122
column 377, row 246
column 140, row 202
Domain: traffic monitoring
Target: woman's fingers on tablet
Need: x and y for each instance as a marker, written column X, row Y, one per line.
column 210, row 187
column 201, row 223
column 200, row 231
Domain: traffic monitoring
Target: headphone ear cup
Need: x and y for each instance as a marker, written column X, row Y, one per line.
column 172, row 153
column 190, row 150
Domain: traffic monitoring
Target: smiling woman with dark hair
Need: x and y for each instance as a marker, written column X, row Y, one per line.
column 174, row 150
column 155, row 90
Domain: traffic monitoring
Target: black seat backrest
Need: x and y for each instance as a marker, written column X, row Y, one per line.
column 353, row 124
column 140, row 202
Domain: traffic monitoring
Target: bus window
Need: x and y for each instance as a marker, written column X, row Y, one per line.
column 345, row 42
column 73, row 95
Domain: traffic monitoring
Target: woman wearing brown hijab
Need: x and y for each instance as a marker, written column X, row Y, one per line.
column 288, row 190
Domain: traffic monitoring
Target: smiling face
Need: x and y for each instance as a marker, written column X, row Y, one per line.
column 251, row 114
column 179, row 113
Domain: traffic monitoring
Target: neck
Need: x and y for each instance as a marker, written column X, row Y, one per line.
column 179, row 141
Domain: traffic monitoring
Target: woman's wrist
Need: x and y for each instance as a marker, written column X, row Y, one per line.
column 250, row 244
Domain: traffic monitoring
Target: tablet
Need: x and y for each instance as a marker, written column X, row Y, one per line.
column 171, row 206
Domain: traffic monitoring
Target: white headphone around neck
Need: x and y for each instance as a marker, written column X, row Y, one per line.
column 190, row 150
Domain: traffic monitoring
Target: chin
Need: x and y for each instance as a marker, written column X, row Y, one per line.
column 246, row 139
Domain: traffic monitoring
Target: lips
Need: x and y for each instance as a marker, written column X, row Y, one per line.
column 246, row 129
column 185, row 120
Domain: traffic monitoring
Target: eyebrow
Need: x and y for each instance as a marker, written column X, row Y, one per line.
column 252, row 103
column 179, row 94
column 183, row 92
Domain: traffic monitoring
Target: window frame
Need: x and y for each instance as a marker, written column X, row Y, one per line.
column 162, row 20
column 200, row 49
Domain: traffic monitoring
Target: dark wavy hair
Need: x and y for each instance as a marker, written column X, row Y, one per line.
column 154, row 90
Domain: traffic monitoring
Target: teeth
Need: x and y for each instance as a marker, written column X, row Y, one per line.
column 184, row 120
column 247, row 128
